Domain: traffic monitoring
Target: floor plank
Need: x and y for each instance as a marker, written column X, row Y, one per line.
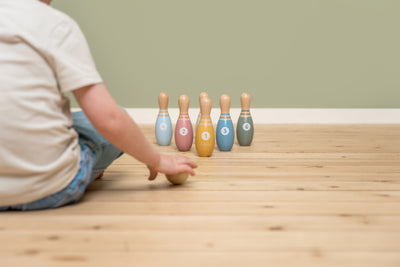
column 301, row 195
column 216, row 223
column 312, row 258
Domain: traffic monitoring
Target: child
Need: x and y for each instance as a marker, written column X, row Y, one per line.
column 48, row 155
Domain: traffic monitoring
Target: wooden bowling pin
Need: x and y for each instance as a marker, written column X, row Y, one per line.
column 183, row 128
column 225, row 132
column 163, row 124
column 244, row 128
column 205, row 137
column 202, row 94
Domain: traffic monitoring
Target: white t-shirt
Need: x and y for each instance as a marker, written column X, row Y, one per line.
column 43, row 54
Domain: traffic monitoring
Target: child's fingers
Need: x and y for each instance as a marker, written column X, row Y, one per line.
column 152, row 175
column 188, row 161
column 187, row 168
column 192, row 164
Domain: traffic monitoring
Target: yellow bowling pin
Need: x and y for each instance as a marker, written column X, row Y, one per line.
column 205, row 137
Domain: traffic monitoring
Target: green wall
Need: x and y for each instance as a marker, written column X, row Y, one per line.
column 285, row 53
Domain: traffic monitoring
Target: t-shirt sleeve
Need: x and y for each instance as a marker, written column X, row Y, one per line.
column 70, row 57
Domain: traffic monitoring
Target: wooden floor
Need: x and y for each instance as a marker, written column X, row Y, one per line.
column 301, row 195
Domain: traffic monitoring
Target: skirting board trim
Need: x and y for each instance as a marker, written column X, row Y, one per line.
column 283, row 115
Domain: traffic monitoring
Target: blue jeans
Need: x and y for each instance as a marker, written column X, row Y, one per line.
column 96, row 155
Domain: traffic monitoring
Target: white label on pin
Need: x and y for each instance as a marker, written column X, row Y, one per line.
column 183, row 131
column 246, row 126
column 205, row 136
column 163, row 126
column 225, row 131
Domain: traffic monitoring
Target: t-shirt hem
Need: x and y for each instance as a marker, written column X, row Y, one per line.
column 28, row 198
column 74, row 84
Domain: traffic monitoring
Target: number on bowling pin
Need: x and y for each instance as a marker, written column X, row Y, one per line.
column 246, row 126
column 225, row 131
column 183, row 131
column 205, row 136
column 163, row 126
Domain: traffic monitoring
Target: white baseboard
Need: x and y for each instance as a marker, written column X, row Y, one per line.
column 284, row 115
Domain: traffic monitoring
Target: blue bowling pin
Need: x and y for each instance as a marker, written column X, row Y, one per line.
column 225, row 132
column 163, row 124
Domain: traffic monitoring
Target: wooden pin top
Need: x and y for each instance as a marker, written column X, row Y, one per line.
column 225, row 103
column 245, row 100
column 205, row 106
column 203, row 94
column 163, row 100
column 183, row 102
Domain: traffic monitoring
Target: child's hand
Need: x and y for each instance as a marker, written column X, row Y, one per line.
column 172, row 165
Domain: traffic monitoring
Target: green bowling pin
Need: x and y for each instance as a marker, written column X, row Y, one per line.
column 244, row 127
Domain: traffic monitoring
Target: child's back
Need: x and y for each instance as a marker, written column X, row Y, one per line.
column 48, row 157
column 43, row 54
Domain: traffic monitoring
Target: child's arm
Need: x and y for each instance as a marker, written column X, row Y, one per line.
column 118, row 128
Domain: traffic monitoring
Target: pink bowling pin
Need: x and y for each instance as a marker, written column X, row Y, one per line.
column 183, row 128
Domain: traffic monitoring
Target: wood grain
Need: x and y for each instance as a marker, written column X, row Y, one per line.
column 301, row 195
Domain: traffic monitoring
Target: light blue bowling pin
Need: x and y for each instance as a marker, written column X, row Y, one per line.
column 225, row 132
column 163, row 124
